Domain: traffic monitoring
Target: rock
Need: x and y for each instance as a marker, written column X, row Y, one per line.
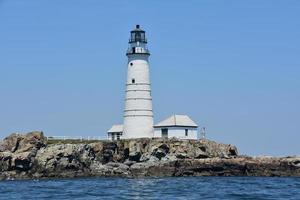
column 22, row 143
column 5, row 161
column 141, row 169
column 109, row 151
column 11, row 143
column 153, row 159
column 129, row 163
column 154, row 169
column 2, row 148
column 64, row 160
column 135, row 156
column 213, row 149
column 98, row 169
column 296, row 163
column 107, row 155
column 97, row 147
column 32, row 140
column 165, row 148
column 118, row 167
column 28, row 156
column 109, row 169
column 169, row 158
column 161, row 151
column 181, row 155
column 145, row 157
column 199, row 153
column 232, row 150
column 22, row 161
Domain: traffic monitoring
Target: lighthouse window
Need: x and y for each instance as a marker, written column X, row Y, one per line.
column 186, row 132
column 133, row 81
column 131, row 64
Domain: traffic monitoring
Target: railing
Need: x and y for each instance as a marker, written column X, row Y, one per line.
column 138, row 50
column 138, row 40
column 81, row 138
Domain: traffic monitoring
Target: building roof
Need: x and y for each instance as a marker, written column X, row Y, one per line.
column 177, row 120
column 117, row 128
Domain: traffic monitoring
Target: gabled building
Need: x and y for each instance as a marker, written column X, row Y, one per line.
column 115, row 132
column 178, row 126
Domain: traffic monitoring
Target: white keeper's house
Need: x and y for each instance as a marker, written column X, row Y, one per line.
column 138, row 113
column 178, row 126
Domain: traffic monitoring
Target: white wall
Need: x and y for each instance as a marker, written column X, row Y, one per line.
column 178, row 132
column 138, row 114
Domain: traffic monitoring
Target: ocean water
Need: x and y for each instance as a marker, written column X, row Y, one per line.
column 154, row 188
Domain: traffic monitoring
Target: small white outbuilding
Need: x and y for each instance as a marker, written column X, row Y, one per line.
column 115, row 132
column 178, row 126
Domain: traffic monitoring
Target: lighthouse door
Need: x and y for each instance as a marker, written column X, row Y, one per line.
column 164, row 133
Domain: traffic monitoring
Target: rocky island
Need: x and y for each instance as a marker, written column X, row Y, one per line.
column 31, row 156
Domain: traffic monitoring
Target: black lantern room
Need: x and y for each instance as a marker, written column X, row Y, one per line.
column 137, row 35
column 137, row 42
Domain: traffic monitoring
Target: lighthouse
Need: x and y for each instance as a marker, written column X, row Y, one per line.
column 138, row 113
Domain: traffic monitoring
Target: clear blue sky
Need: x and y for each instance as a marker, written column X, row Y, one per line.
column 233, row 66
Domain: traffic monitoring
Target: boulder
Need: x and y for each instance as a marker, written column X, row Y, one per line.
column 129, row 163
column 296, row 163
column 161, row 151
column 119, row 166
column 11, row 142
column 22, row 143
column 169, row 158
column 64, row 160
column 145, row 157
column 97, row 147
column 141, row 169
column 199, row 153
column 135, row 156
column 5, row 161
column 109, row 169
column 232, row 150
column 181, row 155
column 109, row 149
column 22, row 161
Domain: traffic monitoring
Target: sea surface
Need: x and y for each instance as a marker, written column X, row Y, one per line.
column 154, row 188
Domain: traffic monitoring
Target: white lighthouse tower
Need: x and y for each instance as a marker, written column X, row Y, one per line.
column 138, row 113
